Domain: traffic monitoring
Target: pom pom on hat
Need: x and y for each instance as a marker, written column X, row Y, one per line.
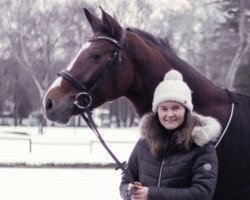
column 173, row 88
column 173, row 75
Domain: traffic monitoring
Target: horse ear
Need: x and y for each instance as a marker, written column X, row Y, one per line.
column 114, row 27
column 95, row 22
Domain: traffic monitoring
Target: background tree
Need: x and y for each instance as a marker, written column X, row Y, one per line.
column 237, row 15
column 228, row 42
column 242, row 81
column 6, row 85
column 39, row 38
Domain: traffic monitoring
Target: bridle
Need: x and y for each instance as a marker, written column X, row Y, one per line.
column 86, row 87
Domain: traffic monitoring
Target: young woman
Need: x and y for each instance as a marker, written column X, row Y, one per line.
column 175, row 158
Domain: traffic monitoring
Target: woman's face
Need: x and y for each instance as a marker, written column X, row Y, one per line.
column 171, row 114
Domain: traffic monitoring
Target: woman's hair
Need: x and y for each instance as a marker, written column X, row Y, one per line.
column 161, row 140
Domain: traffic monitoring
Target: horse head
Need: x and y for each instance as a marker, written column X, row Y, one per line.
column 100, row 72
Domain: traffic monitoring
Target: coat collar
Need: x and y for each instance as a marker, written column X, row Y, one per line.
column 207, row 132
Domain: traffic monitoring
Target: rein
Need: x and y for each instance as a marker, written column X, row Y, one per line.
column 87, row 116
column 85, row 89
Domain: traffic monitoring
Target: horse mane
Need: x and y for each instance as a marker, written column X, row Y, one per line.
column 165, row 48
column 161, row 43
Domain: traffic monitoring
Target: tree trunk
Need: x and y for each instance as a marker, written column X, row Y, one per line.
column 40, row 123
column 243, row 47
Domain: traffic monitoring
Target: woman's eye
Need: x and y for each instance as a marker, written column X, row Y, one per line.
column 95, row 56
column 163, row 109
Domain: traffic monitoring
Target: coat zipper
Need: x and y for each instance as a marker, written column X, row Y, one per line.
column 160, row 173
column 162, row 165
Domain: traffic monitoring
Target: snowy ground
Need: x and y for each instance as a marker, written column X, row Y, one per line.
column 59, row 184
column 64, row 145
column 61, row 145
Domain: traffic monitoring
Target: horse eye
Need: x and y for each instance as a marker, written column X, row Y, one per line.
column 95, row 56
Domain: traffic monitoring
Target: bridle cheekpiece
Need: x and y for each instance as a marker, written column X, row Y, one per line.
column 86, row 87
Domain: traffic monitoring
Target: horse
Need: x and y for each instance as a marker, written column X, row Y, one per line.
column 128, row 62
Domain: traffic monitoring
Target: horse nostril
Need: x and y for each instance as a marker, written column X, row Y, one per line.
column 49, row 104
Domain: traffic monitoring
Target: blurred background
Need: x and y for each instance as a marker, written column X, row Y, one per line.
column 38, row 38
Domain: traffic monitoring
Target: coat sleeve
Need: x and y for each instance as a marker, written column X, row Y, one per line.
column 132, row 171
column 203, row 180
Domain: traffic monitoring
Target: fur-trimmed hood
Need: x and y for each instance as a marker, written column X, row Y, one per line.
column 207, row 132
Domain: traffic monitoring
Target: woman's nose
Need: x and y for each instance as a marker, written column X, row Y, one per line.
column 170, row 113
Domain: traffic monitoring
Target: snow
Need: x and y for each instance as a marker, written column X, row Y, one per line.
column 59, row 184
column 62, row 145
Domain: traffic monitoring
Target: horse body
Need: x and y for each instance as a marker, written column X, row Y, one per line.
column 145, row 60
column 233, row 154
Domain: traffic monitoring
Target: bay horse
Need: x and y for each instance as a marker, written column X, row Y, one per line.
column 129, row 62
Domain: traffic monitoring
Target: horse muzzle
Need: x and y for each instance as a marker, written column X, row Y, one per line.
column 57, row 113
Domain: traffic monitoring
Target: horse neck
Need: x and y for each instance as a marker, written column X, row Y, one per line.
column 147, row 75
column 208, row 99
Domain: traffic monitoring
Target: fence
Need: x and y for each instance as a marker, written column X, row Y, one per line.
column 90, row 143
column 63, row 146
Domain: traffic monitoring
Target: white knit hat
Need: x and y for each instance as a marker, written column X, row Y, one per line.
column 173, row 88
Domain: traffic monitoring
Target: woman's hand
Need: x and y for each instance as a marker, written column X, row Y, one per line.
column 141, row 193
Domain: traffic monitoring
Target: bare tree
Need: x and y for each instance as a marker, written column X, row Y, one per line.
column 38, row 37
column 6, row 86
column 244, row 43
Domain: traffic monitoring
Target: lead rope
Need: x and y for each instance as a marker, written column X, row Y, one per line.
column 87, row 116
column 225, row 130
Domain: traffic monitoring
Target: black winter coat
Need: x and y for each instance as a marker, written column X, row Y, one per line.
column 182, row 174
